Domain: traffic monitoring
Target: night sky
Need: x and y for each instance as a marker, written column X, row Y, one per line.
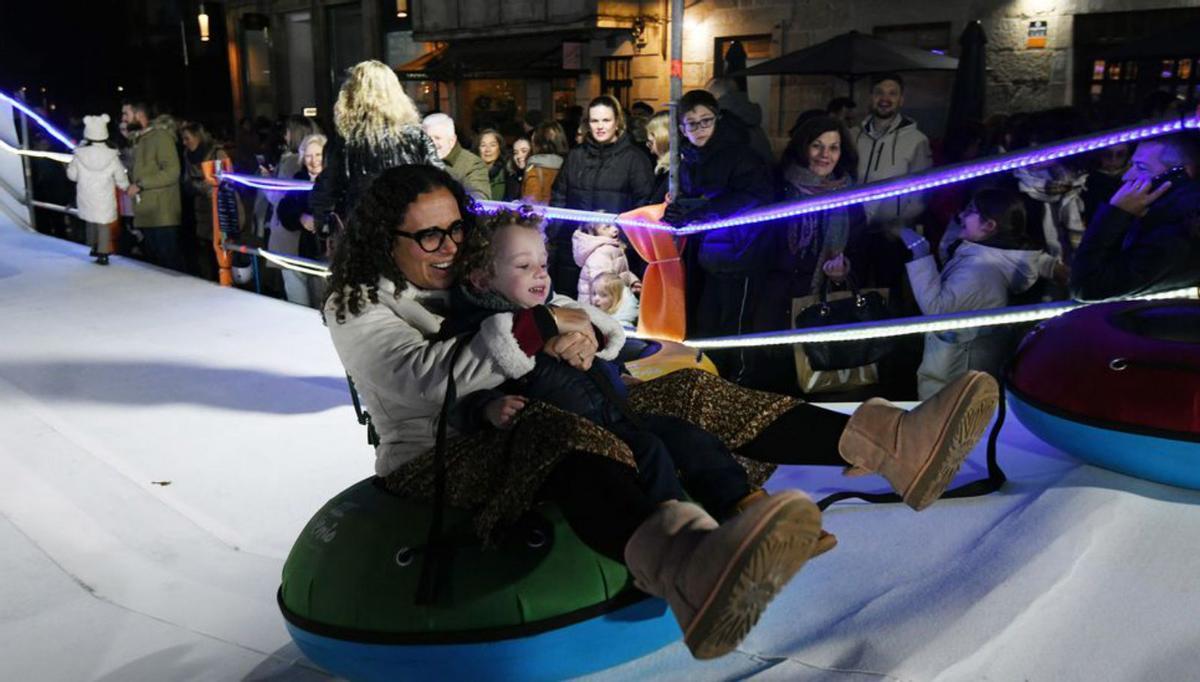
column 74, row 49
column 81, row 51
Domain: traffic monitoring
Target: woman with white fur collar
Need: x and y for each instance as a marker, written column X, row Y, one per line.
column 388, row 294
column 391, row 274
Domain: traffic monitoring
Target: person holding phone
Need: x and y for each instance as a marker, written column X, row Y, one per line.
column 1147, row 238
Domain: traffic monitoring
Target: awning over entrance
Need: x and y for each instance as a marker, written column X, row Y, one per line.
column 508, row 57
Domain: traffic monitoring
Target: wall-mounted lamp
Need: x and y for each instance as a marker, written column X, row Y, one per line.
column 401, row 9
column 203, row 19
column 638, row 29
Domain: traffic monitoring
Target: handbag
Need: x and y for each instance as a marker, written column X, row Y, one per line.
column 866, row 305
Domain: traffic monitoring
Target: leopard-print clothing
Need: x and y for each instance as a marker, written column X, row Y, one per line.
column 498, row 473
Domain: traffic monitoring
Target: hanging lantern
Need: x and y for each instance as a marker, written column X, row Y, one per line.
column 401, row 9
column 203, row 18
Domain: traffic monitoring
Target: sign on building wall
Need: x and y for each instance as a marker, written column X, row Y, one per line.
column 1037, row 35
column 572, row 54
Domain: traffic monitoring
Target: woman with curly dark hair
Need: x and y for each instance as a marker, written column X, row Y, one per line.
column 390, row 284
column 392, row 274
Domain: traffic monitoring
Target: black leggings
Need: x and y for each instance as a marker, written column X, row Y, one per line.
column 601, row 500
column 604, row 503
column 805, row 434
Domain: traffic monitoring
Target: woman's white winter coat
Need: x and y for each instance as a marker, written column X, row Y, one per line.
column 97, row 171
column 400, row 370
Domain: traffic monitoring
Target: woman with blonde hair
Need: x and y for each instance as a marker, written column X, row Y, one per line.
column 377, row 127
column 658, row 140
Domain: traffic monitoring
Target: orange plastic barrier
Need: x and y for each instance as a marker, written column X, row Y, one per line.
column 224, row 258
column 663, row 306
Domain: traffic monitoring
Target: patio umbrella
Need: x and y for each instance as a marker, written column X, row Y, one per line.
column 970, row 82
column 851, row 56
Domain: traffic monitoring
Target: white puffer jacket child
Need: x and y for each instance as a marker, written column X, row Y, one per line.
column 97, row 171
column 977, row 277
column 596, row 254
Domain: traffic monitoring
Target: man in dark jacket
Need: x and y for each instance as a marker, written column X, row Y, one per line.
column 720, row 176
column 1146, row 238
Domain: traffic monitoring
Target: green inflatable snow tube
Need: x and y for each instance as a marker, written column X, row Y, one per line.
column 353, row 573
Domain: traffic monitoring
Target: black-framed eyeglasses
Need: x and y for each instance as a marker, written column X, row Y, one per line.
column 699, row 124
column 431, row 239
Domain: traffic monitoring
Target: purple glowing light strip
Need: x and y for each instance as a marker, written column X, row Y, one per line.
column 948, row 175
column 931, row 179
column 40, row 121
column 567, row 214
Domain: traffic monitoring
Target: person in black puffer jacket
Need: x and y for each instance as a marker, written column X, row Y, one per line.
column 720, row 175
column 606, row 173
column 378, row 127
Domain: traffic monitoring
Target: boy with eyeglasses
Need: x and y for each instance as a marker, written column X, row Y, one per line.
column 720, row 175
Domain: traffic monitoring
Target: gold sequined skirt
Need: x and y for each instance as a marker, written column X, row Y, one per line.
column 498, row 473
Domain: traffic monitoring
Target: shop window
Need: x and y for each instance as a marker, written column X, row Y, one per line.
column 741, row 52
column 1118, row 86
column 491, row 103
column 562, row 93
column 256, row 46
column 616, row 78
column 299, row 41
column 345, row 41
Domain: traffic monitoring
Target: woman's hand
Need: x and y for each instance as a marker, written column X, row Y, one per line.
column 307, row 222
column 636, row 288
column 1062, row 273
column 573, row 320
column 915, row 242
column 836, row 268
column 574, row 348
column 501, row 411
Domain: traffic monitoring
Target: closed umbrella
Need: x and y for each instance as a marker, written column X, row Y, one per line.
column 970, row 82
column 735, row 61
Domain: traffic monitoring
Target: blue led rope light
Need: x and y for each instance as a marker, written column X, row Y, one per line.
column 881, row 190
column 948, row 175
column 931, row 179
column 19, row 105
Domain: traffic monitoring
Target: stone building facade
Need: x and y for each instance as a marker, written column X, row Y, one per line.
column 1024, row 74
column 1041, row 53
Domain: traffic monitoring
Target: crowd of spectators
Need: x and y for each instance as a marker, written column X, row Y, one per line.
column 1120, row 221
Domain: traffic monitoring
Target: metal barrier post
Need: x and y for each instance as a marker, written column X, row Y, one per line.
column 25, row 165
column 224, row 258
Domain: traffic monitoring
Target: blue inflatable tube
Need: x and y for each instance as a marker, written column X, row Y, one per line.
column 1164, row 460
column 585, row 647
